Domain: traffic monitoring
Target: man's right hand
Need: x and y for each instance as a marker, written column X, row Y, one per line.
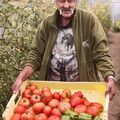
column 16, row 85
column 25, row 74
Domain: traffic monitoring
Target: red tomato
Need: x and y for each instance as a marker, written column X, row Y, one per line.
column 57, row 95
column 56, row 111
column 19, row 109
column 78, row 94
column 38, row 107
column 35, row 98
column 41, row 116
column 16, row 116
column 37, row 92
column 66, row 100
column 93, row 110
column 46, row 96
column 76, row 101
column 54, row 117
column 63, row 106
column 85, row 101
column 32, row 86
column 53, row 103
column 80, row 108
column 28, row 115
column 98, row 105
column 46, row 89
column 66, row 93
column 47, row 110
column 27, row 93
column 24, row 102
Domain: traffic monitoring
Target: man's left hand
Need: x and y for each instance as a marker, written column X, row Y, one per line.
column 110, row 88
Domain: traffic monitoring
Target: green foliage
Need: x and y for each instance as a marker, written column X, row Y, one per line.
column 18, row 24
column 116, row 26
column 102, row 11
column 104, row 15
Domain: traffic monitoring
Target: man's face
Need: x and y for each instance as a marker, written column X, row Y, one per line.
column 66, row 7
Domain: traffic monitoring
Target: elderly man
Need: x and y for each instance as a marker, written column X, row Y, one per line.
column 70, row 45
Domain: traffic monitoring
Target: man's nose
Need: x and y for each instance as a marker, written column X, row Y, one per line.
column 66, row 4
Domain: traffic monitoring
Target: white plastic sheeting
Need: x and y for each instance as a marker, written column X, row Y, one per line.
column 114, row 7
column 115, row 10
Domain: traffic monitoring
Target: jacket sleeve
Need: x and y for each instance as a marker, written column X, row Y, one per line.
column 100, row 48
column 36, row 53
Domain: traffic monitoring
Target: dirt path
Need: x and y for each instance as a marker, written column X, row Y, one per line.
column 114, row 45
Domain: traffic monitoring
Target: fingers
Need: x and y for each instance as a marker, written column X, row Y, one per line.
column 16, row 86
column 112, row 93
column 110, row 90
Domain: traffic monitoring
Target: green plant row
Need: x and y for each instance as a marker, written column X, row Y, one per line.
column 18, row 24
column 116, row 26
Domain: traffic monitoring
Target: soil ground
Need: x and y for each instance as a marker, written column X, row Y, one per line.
column 114, row 46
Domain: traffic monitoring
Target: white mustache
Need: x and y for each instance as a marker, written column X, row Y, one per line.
column 60, row 10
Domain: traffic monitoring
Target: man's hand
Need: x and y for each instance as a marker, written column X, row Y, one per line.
column 110, row 88
column 16, row 85
column 25, row 74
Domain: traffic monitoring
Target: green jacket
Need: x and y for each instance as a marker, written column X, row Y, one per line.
column 90, row 42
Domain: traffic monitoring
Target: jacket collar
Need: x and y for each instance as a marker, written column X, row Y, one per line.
column 53, row 20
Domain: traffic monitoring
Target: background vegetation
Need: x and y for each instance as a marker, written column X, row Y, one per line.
column 116, row 26
column 18, row 24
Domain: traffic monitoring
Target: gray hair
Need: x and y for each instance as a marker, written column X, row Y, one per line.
column 53, row 1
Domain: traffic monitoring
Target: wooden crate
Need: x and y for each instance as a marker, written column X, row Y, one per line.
column 94, row 91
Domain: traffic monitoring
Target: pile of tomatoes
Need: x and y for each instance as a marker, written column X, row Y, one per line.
column 44, row 104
